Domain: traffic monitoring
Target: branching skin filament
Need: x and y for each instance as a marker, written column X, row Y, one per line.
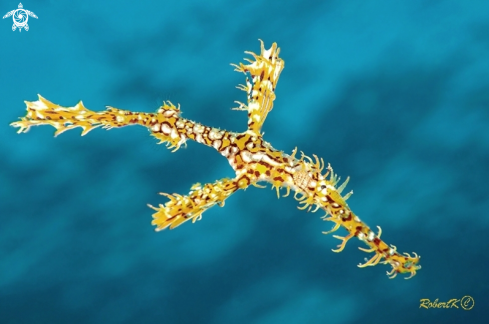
column 253, row 159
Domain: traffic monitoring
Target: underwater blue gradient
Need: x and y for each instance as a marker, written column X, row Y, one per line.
column 394, row 94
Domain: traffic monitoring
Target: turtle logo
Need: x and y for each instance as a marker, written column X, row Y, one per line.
column 20, row 17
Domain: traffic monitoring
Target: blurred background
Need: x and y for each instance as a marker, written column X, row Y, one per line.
column 396, row 96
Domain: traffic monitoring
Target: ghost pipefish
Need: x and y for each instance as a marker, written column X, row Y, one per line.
column 253, row 159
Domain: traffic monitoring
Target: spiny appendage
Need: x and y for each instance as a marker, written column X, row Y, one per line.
column 201, row 197
column 383, row 253
column 44, row 112
column 162, row 124
column 306, row 179
column 317, row 189
column 314, row 187
column 401, row 263
column 265, row 71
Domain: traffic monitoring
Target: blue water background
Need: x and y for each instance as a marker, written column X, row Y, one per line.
column 394, row 94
